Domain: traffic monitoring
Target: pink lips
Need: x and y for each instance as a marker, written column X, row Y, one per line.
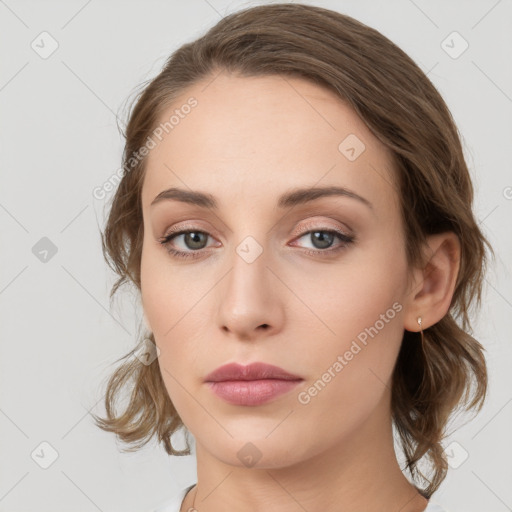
column 253, row 384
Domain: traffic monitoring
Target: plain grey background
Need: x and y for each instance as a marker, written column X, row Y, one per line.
column 59, row 142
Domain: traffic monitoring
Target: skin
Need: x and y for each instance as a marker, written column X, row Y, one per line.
column 246, row 142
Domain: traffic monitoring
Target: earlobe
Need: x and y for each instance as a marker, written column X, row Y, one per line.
column 433, row 293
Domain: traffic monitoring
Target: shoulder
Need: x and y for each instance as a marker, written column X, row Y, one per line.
column 173, row 504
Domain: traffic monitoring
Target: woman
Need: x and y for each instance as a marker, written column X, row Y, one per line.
column 296, row 214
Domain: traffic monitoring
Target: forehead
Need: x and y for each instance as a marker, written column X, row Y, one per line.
column 253, row 135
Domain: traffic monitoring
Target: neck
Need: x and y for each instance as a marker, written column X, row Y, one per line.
column 360, row 473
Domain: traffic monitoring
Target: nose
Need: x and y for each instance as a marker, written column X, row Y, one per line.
column 250, row 299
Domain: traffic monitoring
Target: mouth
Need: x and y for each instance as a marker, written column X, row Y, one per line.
column 251, row 392
column 251, row 385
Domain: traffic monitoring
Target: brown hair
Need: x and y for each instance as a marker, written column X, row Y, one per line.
column 406, row 113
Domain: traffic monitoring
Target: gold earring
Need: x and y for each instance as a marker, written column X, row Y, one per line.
column 421, row 330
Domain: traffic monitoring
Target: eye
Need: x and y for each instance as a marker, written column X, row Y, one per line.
column 323, row 239
column 193, row 239
column 195, row 242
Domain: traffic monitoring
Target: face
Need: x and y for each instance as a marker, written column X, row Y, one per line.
column 313, row 285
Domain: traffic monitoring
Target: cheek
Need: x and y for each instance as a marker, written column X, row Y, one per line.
column 158, row 300
column 342, row 300
column 173, row 302
column 358, row 306
column 167, row 295
column 165, row 307
column 349, row 377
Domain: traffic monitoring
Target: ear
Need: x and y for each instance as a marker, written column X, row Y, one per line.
column 432, row 291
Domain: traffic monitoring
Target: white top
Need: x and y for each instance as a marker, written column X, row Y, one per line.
column 173, row 504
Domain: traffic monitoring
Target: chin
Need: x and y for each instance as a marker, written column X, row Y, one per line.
column 258, row 451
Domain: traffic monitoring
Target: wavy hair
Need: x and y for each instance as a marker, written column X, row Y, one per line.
column 403, row 109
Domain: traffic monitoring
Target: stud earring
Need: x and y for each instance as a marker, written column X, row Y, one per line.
column 421, row 330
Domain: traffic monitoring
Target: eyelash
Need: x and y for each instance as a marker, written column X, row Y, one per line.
column 345, row 239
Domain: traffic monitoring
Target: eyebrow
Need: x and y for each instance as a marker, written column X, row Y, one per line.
column 289, row 199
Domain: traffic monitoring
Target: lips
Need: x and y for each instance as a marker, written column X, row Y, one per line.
column 252, row 385
column 254, row 371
